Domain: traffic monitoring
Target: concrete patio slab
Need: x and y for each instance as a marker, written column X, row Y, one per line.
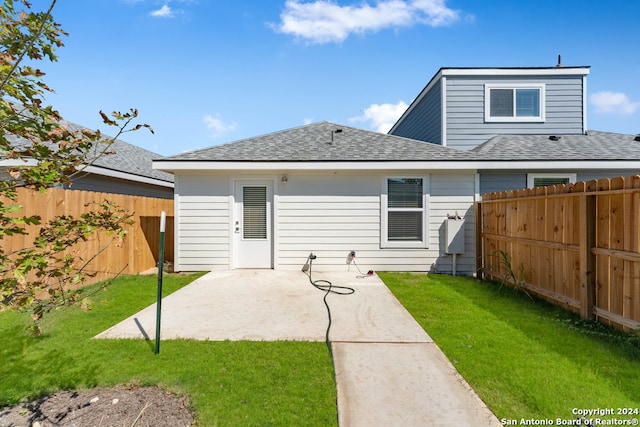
column 389, row 372
column 269, row 305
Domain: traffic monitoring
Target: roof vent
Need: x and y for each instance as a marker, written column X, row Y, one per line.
column 637, row 138
column 333, row 132
column 555, row 138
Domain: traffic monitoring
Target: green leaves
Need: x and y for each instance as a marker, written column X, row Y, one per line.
column 52, row 265
column 46, row 153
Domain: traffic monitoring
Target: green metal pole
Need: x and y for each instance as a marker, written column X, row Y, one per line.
column 163, row 220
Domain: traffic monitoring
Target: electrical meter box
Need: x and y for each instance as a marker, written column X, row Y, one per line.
column 454, row 236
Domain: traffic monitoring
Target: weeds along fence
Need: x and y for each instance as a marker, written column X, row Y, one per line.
column 138, row 251
column 576, row 245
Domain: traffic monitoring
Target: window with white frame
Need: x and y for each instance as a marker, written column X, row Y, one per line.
column 404, row 212
column 514, row 102
column 545, row 179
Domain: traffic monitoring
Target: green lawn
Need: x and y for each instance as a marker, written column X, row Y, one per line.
column 525, row 359
column 228, row 383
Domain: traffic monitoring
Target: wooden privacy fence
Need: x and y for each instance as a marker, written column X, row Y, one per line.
column 137, row 253
column 577, row 245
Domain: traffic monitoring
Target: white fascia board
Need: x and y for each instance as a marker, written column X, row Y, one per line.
column 509, row 72
column 205, row 166
column 127, row 176
column 552, row 165
column 310, row 166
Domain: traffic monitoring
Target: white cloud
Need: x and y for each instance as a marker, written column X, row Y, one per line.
column 324, row 21
column 382, row 117
column 164, row 12
column 307, row 120
column 613, row 102
column 219, row 127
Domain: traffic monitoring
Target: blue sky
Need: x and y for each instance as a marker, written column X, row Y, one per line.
column 205, row 72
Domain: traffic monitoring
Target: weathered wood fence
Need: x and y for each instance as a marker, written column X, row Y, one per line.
column 137, row 253
column 577, row 245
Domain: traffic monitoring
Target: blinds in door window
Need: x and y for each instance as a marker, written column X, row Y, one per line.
column 254, row 212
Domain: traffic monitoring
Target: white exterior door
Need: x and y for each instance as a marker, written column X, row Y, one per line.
column 253, row 224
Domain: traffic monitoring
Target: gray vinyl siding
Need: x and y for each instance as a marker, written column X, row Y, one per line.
column 329, row 215
column 105, row 184
column 496, row 181
column 202, row 227
column 425, row 121
column 450, row 194
column 466, row 127
column 334, row 215
column 589, row 175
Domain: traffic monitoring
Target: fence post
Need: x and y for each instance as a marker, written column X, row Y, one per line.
column 587, row 258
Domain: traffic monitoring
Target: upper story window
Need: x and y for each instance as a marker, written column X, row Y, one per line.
column 514, row 102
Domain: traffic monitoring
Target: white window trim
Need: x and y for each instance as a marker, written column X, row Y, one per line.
column 487, row 102
column 532, row 176
column 384, row 241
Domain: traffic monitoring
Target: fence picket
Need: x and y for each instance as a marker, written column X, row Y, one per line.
column 137, row 253
column 578, row 245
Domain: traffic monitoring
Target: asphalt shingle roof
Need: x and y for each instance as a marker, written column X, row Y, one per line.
column 126, row 158
column 325, row 142
column 593, row 146
column 134, row 160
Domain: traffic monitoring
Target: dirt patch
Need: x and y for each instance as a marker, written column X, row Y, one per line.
column 103, row 407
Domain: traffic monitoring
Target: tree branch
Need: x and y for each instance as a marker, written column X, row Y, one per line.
column 35, row 37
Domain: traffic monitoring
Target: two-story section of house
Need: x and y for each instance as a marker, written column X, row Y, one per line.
column 527, row 125
column 465, row 107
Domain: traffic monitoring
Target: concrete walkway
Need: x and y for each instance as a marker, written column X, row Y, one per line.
column 389, row 372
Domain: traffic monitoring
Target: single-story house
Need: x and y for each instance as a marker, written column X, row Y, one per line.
column 326, row 189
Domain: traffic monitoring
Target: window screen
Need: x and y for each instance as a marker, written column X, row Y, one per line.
column 501, row 102
column 254, row 212
column 404, row 209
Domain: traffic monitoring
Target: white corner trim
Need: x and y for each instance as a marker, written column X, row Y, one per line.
column 584, row 105
column 443, row 110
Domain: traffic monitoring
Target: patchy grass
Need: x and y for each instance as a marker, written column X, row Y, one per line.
column 228, row 383
column 526, row 359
